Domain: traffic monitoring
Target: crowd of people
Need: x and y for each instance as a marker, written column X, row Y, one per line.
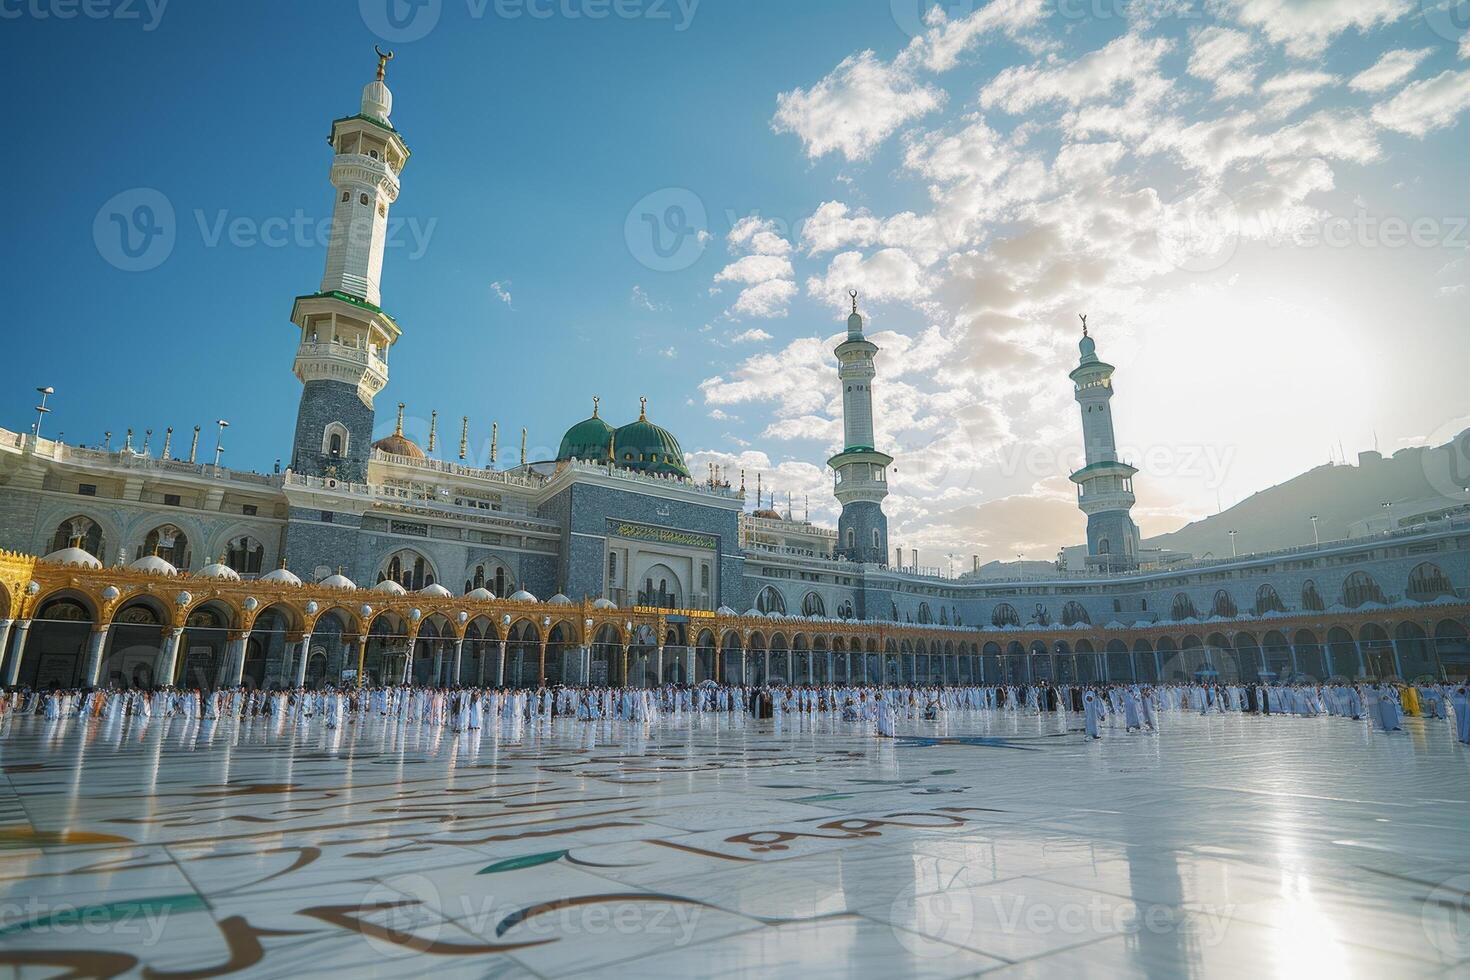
column 1127, row 708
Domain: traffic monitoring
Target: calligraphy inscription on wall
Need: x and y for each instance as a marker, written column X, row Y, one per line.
column 663, row 535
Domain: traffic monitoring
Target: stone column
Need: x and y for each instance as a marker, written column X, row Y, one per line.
column 480, row 673
column 362, row 642
column 300, row 680
column 12, row 666
column 93, row 667
column 168, row 658
column 458, row 660
column 500, row 667
column 5, row 625
column 691, row 664
column 586, row 666
column 541, row 664
column 658, row 669
column 239, row 666
column 436, row 677
column 1362, row 664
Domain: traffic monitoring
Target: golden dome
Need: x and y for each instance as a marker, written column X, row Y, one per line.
column 398, row 444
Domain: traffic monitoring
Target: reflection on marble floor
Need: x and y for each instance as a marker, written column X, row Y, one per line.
column 1226, row 845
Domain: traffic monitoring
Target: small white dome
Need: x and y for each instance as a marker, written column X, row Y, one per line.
column 73, row 556
column 559, row 600
column 481, row 593
column 724, row 611
column 153, row 565
column 338, row 581
column 523, row 596
column 377, row 101
column 389, row 587
column 754, row 612
column 219, row 571
column 436, row 590
column 604, row 604
column 282, row 576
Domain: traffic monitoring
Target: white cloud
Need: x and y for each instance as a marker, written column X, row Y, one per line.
column 1306, row 27
column 939, row 48
column 855, row 108
column 643, row 301
column 888, row 274
column 754, row 335
column 1426, row 105
column 755, row 268
column 758, row 235
column 501, row 291
column 1223, row 56
column 1289, row 92
column 765, row 299
column 1465, row 45
column 1390, row 70
column 1093, row 77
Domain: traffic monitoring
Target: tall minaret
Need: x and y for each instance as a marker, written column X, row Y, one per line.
column 861, row 471
column 345, row 335
column 1105, row 483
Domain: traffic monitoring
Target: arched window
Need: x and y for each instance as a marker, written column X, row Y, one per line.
column 925, row 616
column 844, row 611
column 83, row 532
column 496, row 579
column 1267, row 601
column 245, row 555
column 335, row 439
column 1183, row 608
column 1104, row 547
column 943, row 616
column 1074, row 613
column 813, row 605
column 1040, row 615
column 851, row 539
column 1360, row 588
column 770, row 601
column 1311, row 598
column 1427, row 581
column 1224, row 605
column 409, row 569
column 1005, row 615
column 169, row 543
column 876, row 545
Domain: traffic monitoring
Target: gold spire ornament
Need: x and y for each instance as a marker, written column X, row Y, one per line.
column 433, row 427
column 194, row 446
column 383, row 58
column 643, row 408
column 168, row 438
column 464, row 437
column 494, row 438
column 398, row 430
column 853, row 294
column 1083, row 318
column 523, row 445
column 128, row 445
column 595, row 401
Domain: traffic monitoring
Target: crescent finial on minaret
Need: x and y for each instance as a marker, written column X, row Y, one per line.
column 383, row 58
column 853, row 294
column 1083, row 318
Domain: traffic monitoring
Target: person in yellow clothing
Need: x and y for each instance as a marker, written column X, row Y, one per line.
column 1409, row 698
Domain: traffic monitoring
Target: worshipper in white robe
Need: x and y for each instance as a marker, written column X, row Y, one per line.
column 1092, row 714
column 1384, row 709
column 1460, row 700
column 1132, row 711
column 884, row 727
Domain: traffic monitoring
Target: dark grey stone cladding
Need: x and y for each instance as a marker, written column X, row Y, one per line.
column 311, row 542
column 322, row 403
column 862, row 517
column 584, row 510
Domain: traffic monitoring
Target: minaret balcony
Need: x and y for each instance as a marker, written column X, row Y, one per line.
column 359, row 168
column 338, row 362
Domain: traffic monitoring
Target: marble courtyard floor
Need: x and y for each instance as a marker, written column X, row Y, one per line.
column 1228, row 845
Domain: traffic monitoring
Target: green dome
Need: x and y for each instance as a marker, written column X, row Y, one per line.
column 589, row 439
column 647, row 447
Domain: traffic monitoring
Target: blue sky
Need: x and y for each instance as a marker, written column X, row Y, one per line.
column 1171, row 168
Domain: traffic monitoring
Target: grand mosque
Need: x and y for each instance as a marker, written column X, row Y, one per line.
column 369, row 561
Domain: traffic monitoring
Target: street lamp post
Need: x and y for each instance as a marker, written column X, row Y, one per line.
column 1233, row 553
column 1316, row 539
column 219, row 440
column 41, row 409
column 1387, row 505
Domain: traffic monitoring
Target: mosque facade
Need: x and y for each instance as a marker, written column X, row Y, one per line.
column 368, row 560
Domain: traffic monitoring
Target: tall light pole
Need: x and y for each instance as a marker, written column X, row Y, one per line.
column 1233, row 552
column 1316, row 539
column 1387, row 505
column 219, row 439
column 950, row 556
column 41, row 409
